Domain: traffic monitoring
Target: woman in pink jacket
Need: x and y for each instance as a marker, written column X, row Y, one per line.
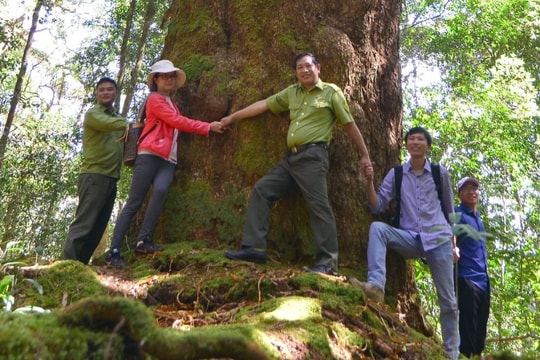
column 156, row 158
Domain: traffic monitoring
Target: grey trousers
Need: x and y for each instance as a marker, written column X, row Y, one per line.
column 306, row 170
column 96, row 200
column 150, row 170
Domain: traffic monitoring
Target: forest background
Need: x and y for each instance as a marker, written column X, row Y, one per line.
column 470, row 75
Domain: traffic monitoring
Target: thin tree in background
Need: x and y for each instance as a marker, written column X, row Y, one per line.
column 124, row 52
column 141, row 49
column 20, row 78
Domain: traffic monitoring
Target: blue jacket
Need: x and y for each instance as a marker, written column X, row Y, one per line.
column 472, row 264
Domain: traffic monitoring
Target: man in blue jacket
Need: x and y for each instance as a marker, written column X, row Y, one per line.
column 473, row 287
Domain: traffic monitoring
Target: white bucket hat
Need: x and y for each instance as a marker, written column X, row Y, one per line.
column 165, row 66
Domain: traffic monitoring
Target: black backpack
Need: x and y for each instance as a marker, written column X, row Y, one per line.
column 398, row 178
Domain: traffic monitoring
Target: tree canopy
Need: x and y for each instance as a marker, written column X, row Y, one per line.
column 481, row 100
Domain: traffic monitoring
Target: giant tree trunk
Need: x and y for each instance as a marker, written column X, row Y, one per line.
column 237, row 52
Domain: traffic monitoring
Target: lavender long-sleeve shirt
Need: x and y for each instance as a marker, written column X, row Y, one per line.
column 421, row 212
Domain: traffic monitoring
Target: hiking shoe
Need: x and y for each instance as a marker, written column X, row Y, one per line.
column 371, row 290
column 114, row 259
column 247, row 253
column 147, row 247
column 321, row 269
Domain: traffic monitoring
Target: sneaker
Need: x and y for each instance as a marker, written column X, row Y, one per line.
column 114, row 259
column 320, row 269
column 247, row 253
column 371, row 290
column 147, row 247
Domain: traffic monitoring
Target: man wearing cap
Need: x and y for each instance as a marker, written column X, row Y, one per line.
column 473, row 288
column 100, row 171
column 314, row 107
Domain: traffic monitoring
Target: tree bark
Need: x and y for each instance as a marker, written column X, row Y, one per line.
column 141, row 48
column 123, row 52
column 238, row 52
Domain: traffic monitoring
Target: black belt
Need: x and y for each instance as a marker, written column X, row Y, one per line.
column 299, row 148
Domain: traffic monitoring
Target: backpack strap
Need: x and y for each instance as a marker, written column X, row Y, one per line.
column 436, row 173
column 141, row 119
column 398, row 178
column 137, row 124
column 141, row 116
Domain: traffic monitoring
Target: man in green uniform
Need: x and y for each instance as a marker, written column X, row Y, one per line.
column 314, row 107
column 100, row 171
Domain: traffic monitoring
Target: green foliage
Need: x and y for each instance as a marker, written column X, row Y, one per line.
column 98, row 54
column 12, row 38
column 9, row 283
column 465, row 229
column 483, row 112
column 6, row 284
column 37, row 180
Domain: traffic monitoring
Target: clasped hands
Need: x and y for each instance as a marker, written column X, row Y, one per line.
column 222, row 125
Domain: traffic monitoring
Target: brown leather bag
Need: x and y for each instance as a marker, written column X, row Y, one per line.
column 132, row 135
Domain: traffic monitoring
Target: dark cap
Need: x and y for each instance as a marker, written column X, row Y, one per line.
column 465, row 180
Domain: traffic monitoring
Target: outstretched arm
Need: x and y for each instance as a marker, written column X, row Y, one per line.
column 365, row 162
column 358, row 140
column 250, row 111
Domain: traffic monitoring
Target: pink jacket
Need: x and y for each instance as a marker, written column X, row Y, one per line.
column 161, row 120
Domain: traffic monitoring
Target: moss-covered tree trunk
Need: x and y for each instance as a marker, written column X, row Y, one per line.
column 237, row 52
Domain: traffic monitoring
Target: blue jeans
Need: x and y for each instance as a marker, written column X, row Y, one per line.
column 441, row 264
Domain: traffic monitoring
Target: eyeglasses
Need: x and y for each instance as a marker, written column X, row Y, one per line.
column 166, row 76
column 469, row 189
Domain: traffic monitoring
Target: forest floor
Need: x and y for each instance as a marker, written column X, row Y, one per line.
column 200, row 305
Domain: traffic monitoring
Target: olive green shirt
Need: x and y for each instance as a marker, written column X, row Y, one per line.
column 102, row 144
column 312, row 113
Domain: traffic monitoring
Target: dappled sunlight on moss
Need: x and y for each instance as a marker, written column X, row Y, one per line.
column 294, row 309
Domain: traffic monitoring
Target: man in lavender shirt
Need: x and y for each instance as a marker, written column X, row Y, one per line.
column 423, row 232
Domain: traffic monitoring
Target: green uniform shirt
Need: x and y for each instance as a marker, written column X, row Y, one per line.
column 313, row 113
column 102, row 149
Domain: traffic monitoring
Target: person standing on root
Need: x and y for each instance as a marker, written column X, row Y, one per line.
column 473, row 287
column 423, row 232
column 156, row 158
column 314, row 108
column 100, row 171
